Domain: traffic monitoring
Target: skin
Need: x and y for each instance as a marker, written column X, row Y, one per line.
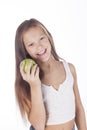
column 38, row 46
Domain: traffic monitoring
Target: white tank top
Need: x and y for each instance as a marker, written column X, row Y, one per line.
column 60, row 104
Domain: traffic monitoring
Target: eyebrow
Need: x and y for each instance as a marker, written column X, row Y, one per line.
column 32, row 41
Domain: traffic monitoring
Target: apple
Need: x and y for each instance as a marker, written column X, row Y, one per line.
column 26, row 63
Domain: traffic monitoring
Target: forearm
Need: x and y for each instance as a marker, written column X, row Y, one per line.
column 81, row 119
column 37, row 114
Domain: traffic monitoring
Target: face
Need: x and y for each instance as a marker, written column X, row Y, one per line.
column 37, row 44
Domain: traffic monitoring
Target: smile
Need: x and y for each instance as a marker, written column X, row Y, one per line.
column 42, row 52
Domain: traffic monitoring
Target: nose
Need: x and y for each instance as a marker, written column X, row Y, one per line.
column 39, row 47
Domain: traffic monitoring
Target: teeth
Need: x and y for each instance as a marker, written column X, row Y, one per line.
column 41, row 52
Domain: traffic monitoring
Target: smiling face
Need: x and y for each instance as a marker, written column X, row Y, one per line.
column 37, row 44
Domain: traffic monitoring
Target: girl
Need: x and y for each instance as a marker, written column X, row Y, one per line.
column 48, row 95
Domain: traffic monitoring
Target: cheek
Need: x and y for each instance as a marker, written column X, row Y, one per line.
column 49, row 49
column 32, row 52
column 49, row 46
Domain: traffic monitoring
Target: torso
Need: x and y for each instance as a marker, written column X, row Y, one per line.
column 66, row 126
column 55, row 78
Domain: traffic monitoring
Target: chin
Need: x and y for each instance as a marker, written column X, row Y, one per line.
column 45, row 59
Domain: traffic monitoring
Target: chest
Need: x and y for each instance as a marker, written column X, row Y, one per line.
column 55, row 77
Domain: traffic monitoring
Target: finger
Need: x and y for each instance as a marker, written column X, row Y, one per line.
column 21, row 63
column 22, row 67
column 22, row 71
column 33, row 71
column 37, row 71
column 28, row 68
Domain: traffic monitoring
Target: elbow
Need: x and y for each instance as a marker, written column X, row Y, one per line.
column 38, row 123
column 39, row 127
column 80, row 109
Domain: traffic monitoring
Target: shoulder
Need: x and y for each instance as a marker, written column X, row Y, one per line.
column 72, row 69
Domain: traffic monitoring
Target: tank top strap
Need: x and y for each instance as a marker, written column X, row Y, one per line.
column 67, row 68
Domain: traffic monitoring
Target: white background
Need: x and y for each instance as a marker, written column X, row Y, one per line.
column 67, row 22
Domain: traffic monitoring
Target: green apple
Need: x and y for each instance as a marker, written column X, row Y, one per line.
column 26, row 63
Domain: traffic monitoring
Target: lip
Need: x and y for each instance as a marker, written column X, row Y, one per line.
column 42, row 53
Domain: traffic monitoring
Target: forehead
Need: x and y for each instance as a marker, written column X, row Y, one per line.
column 34, row 31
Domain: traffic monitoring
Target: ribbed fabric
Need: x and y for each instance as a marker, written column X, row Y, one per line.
column 60, row 104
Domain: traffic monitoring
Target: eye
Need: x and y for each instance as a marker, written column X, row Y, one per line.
column 30, row 45
column 43, row 37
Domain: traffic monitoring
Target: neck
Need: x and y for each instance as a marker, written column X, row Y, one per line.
column 47, row 67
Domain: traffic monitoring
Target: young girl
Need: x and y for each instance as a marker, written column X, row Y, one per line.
column 48, row 95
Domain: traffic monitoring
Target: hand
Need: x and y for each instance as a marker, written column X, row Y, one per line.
column 32, row 77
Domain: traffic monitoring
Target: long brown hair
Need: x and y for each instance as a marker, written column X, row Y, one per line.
column 22, row 88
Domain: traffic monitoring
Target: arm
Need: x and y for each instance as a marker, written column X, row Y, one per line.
column 80, row 114
column 37, row 116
